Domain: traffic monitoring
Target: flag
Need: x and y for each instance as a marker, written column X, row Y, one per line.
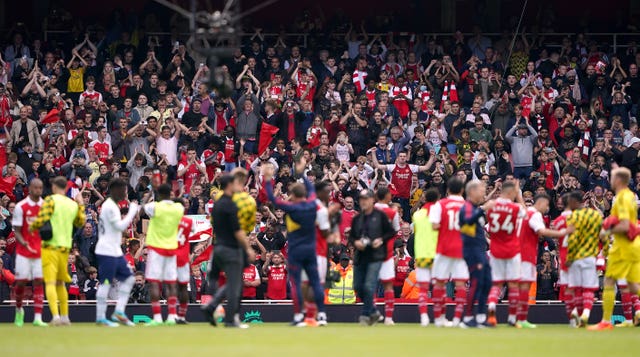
column 51, row 117
column 359, row 78
column 267, row 132
column 6, row 186
column 204, row 256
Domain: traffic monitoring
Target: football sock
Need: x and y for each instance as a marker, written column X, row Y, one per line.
column 627, row 306
column 608, row 299
column 587, row 302
column 19, row 291
column 52, row 297
column 438, row 300
column 568, row 301
column 494, row 294
column 514, row 301
column 38, row 300
column 172, row 302
column 389, row 302
column 101, row 301
column 63, row 297
column 578, row 301
column 422, row 297
column 157, row 312
column 523, row 307
column 460, row 299
column 123, row 293
column 311, row 309
column 635, row 300
column 182, row 309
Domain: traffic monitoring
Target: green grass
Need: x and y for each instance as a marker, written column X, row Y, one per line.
column 335, row 340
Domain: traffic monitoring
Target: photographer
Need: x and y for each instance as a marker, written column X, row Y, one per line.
column 370, row 232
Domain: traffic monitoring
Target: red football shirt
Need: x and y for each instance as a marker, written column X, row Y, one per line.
column 277, row 282
column 528, row 235
column 446, row 213
column 563, row 242
column 185, row 230
column 24, row 214
column 402, row 270
column 250, row 273
column 401, row 178
column 502, row 223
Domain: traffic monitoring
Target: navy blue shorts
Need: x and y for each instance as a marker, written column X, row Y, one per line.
column 112, row 267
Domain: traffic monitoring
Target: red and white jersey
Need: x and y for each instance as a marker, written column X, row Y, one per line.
column 211, row 168
column 185, row 232
column 103, row 149
column 404, row 90
column 563, row 242
column 371, row 98
column 359, row 79
column 401, row 178
column 24, row 214
column 229, row 149
column 502, row 221
column 192, row 173
column 394, row 217
column 250, row 273
column 394, row 69
column 322, row 224
column 303, row 87
column 275, row 92
column 95, row 96
column 527, row 232
column 446, row 213
column 277, row 282
column 550, row 93
column 402, row 270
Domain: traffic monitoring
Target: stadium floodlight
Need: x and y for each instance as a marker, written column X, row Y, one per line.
column 214, row 35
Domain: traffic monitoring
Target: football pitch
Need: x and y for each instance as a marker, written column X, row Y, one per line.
column 268, row 339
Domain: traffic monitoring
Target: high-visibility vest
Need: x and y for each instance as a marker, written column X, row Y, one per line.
column 342, row 292
column 163, row 226
column 64, row 213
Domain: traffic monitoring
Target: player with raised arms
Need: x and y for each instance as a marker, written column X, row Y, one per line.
column 504, row 249
column 111, row 262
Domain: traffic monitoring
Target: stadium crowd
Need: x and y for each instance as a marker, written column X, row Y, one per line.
column 400, row 112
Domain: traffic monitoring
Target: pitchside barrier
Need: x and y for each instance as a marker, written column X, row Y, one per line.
column 281, row 311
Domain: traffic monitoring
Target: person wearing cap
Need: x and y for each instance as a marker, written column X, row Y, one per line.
column 370, row 231
column 522, row 148
column 342, row 291
column 194, row 116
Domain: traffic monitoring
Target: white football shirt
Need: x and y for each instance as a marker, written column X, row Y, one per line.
column 111, row 226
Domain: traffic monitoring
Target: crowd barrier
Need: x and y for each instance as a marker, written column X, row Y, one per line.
column 256, row 312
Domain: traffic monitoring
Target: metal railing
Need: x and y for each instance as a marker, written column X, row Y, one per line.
column 615, row 39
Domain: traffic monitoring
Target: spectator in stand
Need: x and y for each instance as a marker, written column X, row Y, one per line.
column 90, row 285
column 140, row 291
column 24, row 130
column 547, row 278
column 6, row 281
column 522, row 149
